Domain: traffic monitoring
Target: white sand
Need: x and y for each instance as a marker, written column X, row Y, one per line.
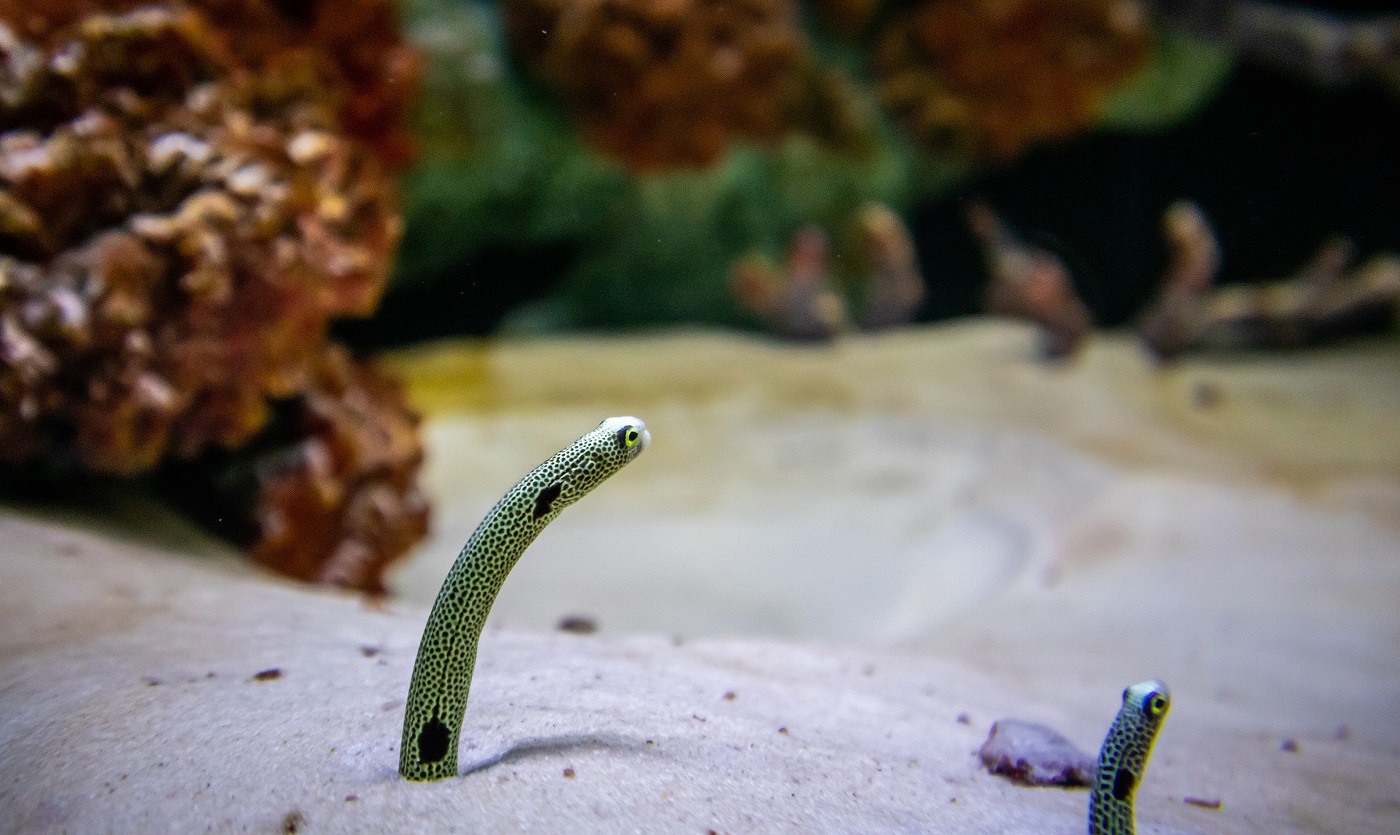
column 861, row 543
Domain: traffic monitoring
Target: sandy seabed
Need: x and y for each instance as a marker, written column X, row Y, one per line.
column 833, row 570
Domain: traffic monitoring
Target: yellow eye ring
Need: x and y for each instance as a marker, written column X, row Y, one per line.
column 629, row 436
column 1157, row 705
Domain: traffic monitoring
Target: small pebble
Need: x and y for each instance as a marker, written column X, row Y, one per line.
column 1034, row 755
column 1205, row 394
column 293, row 822
column 1212, row 803
column 577, row 625
column 569, row 773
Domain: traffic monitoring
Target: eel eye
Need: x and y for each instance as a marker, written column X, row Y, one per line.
column 628, row 436
column 1156, row 704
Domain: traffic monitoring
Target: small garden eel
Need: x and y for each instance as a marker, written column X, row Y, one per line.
column 1123, row 757
column 442, row 675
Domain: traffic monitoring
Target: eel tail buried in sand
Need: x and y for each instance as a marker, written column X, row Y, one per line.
column 442, row 675
column 1123, row 757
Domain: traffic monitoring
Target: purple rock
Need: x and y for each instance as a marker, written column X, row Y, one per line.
column 1034, row 755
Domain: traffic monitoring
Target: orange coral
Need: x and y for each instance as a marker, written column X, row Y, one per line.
column 668, row 83
column 987, row 78
column 349, row 55
column 179, row 225
column 178, row 259
column 343, row 503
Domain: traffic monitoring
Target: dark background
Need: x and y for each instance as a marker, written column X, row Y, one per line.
column 1277, row 163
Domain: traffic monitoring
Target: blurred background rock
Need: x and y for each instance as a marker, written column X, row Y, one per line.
column 606, row 167
column 206, row 207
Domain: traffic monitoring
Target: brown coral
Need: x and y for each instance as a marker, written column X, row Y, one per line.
column 1195, row 261
column 987, row 78
column 1030, row 284
column 348, row 55
column 1321, row 302
column 895, row 283
column 343, row 502
column 178, row 227
column 798, row 302
column 668, row 83
column 190, row 252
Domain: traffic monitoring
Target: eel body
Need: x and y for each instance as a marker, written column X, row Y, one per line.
column 442, row 674
column 1123, row 757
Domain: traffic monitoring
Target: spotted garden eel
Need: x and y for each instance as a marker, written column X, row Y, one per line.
column 1123, row 757
column 442, row 675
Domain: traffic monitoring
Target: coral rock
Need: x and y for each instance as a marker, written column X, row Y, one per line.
column 189, row 194
column 668, row 83
column 896, row 283
column 1319, row 303
column 797, row 303
column 343, row 503
column 1030, row 284
column 348, row 55
column 987, row 78
column 180, row 242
